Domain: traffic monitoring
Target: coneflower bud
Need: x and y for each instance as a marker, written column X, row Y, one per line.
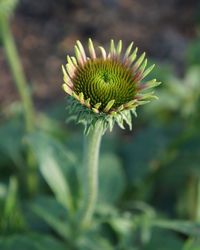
column 107, row 87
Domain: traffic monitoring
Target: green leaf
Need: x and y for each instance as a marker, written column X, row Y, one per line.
column 185, row 227
column 30, row 241
column 193, row 53
column 111, row 179
column 178, row 96
column 122, row 225
column 184, row 164
column 164, row 240
column 53, row 215
column 91, row 242
column 11, row 218
column 11, row 134
column 143, row 151
column 57, row 165
column 192, row 244
column 11, row 198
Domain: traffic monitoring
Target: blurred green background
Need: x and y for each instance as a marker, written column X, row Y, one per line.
column 149, row 197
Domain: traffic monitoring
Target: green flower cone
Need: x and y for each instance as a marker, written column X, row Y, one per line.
column 108, row 87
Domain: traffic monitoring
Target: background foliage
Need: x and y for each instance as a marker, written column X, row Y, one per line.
column 149, row 181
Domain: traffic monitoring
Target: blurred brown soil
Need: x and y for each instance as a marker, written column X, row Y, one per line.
column 45, row 31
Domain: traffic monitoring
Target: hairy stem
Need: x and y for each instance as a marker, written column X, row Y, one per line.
column 90, row 174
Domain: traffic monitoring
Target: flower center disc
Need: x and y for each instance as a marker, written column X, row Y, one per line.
column 103, row 81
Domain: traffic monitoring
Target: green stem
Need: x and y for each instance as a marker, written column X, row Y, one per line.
column 25, row 96
column 90, row 175
column 17, row 72
column 198, row 200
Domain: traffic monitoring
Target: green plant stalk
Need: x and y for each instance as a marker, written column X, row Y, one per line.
column 193, row 197
column 90, row 176
column 198, row 201
column 24, row 92
column 17, row 72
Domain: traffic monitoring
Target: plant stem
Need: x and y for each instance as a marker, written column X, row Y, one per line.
column 198, row 201
column 90, row 176
column 25, row 96
column 17, row 72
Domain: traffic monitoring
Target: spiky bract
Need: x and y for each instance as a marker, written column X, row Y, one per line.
column 108, row 87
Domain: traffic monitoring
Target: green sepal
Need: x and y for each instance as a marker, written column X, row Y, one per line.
column 111, row 123
column 126, row 114
column 82, row 114
column 120, row 121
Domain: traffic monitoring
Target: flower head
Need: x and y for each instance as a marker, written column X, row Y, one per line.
column 109, row 86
